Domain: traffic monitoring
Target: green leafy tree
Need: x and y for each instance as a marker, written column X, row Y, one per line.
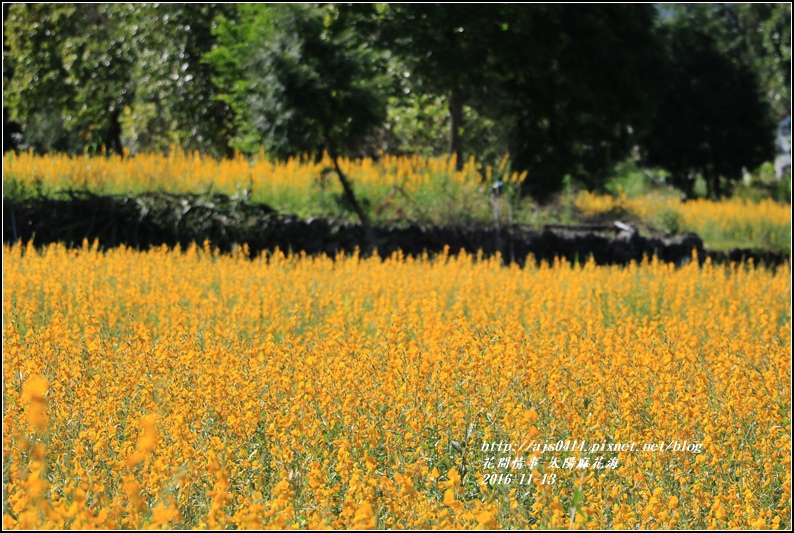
column 235, row 34
column 71, row 75
column 565, row 88
column 312, row 80
column 11, row 129
column 442, row 46
column 761, row 35
column 176, row 101
column 109, row 75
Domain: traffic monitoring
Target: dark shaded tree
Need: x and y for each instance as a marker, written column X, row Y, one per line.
column 574, row 85
column 760, row 34
column 569, row 86
column 713, row 119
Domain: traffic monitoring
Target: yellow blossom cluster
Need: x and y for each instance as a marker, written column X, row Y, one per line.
column 173, row 390
column 190, row 172
column 298, row 185
column 395, row 186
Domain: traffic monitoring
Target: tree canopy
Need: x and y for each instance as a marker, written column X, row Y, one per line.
column 713, row 119
column 93, row 76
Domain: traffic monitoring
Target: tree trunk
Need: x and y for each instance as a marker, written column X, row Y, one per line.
column 713, row 185
column 456, row 121
column 351, row 197
column 112, row 140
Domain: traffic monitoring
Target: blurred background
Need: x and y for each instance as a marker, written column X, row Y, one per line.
column 545, row 105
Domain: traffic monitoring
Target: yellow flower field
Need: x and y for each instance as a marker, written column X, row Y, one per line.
column 766, row 223
column 395, row 188
column 298, row 185
column 192, row 172
column 173, row 390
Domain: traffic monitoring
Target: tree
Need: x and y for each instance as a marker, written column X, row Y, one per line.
column 573, row 85
column 442, row 45
column 312, row 81
column 761, row 34
column 176, row 102
column 569, row 87
column 71, row 77
column 713, row 119
column 235, row 34
column 109, row 75
column 11, row 129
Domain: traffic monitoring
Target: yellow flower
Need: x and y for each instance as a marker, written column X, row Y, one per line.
column 251, row 412
column 486, row 520
column 365, row 517
column 672, row 503
column 162, row 515
column 33, row 393
column 148, row 440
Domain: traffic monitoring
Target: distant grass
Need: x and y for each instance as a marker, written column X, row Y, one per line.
column 724, row 245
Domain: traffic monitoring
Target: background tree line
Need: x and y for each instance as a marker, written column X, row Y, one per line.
column 566, row 90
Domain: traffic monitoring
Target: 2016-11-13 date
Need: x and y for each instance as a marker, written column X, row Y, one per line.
column 523, row 479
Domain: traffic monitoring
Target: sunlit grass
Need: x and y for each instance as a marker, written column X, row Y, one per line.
column 392, row 188
column 721, row 225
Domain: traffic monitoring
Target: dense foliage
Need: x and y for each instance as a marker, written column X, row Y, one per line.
column 712, row 87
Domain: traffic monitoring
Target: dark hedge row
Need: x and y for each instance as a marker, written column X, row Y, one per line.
column 154, row 219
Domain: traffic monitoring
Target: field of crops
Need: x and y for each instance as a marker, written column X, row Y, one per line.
column 393, row 187
column 764, row 224
column 420, row 189
column 164, row 389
